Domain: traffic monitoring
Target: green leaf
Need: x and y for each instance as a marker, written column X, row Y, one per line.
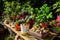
column 55, row 6
column 7, row 4
column 17, row 7
column 47, row 9
column 58, row 10
column 12, row 3
column 49, row 15
column 36, row 25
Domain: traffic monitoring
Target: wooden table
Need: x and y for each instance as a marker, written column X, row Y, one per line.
column 25, row 37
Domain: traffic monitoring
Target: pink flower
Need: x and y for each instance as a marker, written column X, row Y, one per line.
column 58, row 17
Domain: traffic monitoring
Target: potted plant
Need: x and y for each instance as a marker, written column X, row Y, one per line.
column 56, row 8
column 26, row 16
column 40, row 27
column 11, row 12
column 55, row 26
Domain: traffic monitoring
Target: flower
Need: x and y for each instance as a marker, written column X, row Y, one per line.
column 58, row 17
column 43, row 25
column 55, row 23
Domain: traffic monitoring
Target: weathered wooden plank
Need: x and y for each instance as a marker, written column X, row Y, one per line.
column 26, row 37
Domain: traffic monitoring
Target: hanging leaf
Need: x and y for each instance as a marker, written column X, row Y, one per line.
column 58, row 10
column 55, row 6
